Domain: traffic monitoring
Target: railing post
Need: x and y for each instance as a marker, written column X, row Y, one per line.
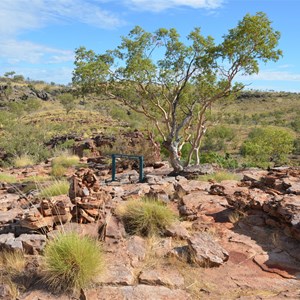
column 141, row 168
column 113, row 166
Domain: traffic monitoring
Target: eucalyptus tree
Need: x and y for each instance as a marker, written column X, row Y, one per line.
column 173, row 82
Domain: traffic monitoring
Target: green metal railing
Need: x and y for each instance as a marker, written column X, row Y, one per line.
column 141, row 165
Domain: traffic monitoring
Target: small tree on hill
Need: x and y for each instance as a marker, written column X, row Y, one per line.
column 174, row 83
column 67, row 101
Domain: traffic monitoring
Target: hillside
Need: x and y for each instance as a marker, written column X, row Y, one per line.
column 221, row 235
column 44, row 111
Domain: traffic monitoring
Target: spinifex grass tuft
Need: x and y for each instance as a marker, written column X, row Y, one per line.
column 66, row 160
column 145, row 217
column 71, row 262
column 58, row 187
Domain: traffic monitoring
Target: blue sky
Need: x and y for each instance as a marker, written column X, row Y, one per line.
column 38, row 37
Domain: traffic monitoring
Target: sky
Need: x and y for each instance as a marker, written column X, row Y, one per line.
column 38, row 37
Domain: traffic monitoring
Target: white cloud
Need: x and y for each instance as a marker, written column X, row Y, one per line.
column 59, row 74
column 20, row 15
column 15, row 52
column 159, row 5
column 274, row 76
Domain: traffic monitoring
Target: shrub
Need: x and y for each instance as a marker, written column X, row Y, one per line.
column 59, row 187
column 145, row 217
column 67, row 101
column 225, row 161
column 268, row 145
column 71, row 261
column 217, row 138
column 20, row 138
column 23, row 161
column 220, row 176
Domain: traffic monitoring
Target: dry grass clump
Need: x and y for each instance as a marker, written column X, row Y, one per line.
column 220, row 176
column 62, row 162
column 8, row 178
column 71, row 262
column 23, row 161
column 145, row 217
column 12, row 264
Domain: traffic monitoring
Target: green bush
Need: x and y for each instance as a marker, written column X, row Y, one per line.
column 267, row 146
column 225, row 161
column 145, row 217
column 20, row 138
column 72, row 262
column 217, row 138
column 67, row 100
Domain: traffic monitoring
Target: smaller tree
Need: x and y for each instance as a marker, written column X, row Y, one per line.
column 268, row 145
column 67, row 101
column 9, row 74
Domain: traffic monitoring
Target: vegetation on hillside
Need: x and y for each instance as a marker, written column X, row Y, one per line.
column 194, row 111
column 173, row 83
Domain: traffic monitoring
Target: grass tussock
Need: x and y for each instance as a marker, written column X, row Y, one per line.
column 13, row 262
column 58, row 171
column 58, row 187
column 71, row 262
column 23, row 161
column 66, row 160
column 12, row 265
column 145, row 217
column 8, row 178
column 220, row 176
column 37, row 178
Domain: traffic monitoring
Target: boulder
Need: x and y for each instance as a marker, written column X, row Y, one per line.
column 205, row 251
column 161, row 276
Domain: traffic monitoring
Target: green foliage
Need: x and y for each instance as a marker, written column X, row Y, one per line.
column 145, row 217
column 91, row 71
column 25, row 139
column 220, row 176
column 72, row 262
column 223, row 161
column 58, row 187
column 296, row 123
column 9, row 74
column 217, row 138
column 173, row 82
column 268, row 145
column 67, row 100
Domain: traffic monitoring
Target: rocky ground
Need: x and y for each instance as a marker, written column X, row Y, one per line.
column 234, row 240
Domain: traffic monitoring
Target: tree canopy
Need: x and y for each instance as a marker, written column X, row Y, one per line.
column 173, row 82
